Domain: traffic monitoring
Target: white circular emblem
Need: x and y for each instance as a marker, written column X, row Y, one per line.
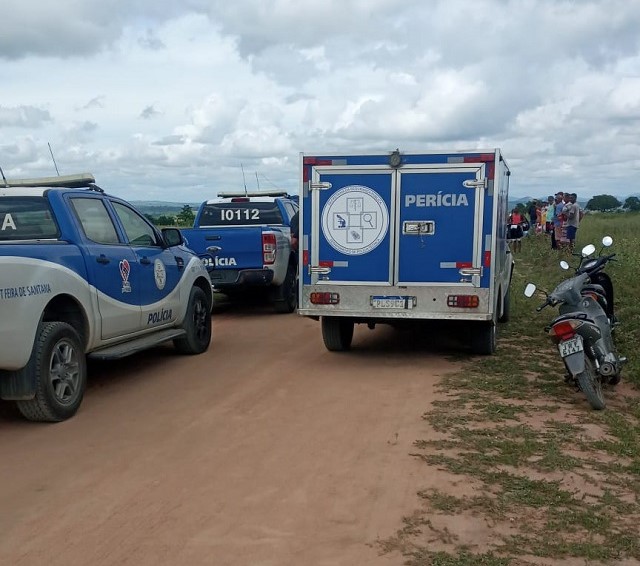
column 159, row 273
column 355, row 220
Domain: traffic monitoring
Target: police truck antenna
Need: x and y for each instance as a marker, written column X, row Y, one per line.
column 54, row 159
column 257, row 180
column 244, row 181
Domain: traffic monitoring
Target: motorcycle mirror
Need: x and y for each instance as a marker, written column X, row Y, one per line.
column 564, row 265
column 529, row 290
column 588, row 250
column 607, row 241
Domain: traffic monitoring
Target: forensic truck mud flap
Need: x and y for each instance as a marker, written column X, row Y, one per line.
column 416, row 238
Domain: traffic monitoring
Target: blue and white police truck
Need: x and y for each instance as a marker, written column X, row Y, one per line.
column 395, row 237
column 83, row 273
column 253, row 232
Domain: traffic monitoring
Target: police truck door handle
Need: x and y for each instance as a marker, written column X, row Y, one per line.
column 179, row 262
column 145, row 260
column 103, row 259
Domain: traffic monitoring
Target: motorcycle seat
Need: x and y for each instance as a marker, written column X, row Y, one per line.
column 595, row 288
column 572, row 316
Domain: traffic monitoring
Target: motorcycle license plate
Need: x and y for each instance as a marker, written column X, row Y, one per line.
column 572, row 346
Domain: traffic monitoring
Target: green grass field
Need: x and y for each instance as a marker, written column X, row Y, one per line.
column 529, row 463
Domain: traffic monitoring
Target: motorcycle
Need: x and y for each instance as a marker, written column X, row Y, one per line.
column 583, row 329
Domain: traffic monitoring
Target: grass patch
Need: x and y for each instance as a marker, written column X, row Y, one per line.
column 564, row 479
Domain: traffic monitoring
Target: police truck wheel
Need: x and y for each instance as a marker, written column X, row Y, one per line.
column 59, row 370
column 197, row 324
column 337, row 333
column 591, row 385
column 484, row 338
column 286, row 297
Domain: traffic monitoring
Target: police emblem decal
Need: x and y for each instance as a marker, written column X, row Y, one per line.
column 160, row 274
column 125, row 269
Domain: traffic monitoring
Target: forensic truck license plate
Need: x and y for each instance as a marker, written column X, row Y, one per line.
column 572, row 346
column 392, row 302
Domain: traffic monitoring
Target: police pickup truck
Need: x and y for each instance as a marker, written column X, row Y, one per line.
column 253, row 232
column 84, row 274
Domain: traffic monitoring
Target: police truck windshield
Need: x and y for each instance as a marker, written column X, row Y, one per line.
column 26, row 218
column 240, row 214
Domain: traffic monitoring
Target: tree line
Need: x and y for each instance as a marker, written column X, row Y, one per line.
column 601, row 203
column 184, row 218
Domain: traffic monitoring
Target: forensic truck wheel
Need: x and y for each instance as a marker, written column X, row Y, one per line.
column 59, row 370
column 337, row 333
column 484, row 338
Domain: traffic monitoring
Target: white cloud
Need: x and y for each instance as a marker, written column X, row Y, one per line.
column 163, row 99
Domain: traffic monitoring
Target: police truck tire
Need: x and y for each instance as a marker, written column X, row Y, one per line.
column 286, row 295
column 197, row 324
column 337, row 333
column 58, row 368
column 505, row 315
column 591, row 385
column 484, row 338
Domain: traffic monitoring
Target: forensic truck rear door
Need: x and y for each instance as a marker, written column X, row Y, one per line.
column 382, row 242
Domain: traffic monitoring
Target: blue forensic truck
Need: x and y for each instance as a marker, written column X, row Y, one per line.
column 393, row 237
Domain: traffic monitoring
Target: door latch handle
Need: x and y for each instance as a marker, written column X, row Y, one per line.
column 145, row 260
column 103, row 259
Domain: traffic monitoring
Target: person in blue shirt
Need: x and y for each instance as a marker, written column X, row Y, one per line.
column 557, row 221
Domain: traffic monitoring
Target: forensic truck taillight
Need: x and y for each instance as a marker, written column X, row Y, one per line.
column 463, row 301
column 269, row 249
column 324, row 298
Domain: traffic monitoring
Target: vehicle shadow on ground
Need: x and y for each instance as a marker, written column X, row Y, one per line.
column 9, row 412
column 113, row 373
column 448, row 338
column 109, row 374
column 258, row 303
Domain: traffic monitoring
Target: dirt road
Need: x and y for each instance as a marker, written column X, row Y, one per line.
column 266, row 450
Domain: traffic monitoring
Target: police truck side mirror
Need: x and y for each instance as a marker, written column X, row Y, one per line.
column 172, row 237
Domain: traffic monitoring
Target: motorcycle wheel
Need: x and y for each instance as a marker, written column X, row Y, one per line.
column 591, row 385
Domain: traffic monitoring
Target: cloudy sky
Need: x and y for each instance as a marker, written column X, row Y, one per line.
column 172, row 100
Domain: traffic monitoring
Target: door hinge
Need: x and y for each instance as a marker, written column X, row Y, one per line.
column 320, row 269
column 320, row 186
column 475, row 183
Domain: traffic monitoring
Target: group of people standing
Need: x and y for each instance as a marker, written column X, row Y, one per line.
column 559, row 217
